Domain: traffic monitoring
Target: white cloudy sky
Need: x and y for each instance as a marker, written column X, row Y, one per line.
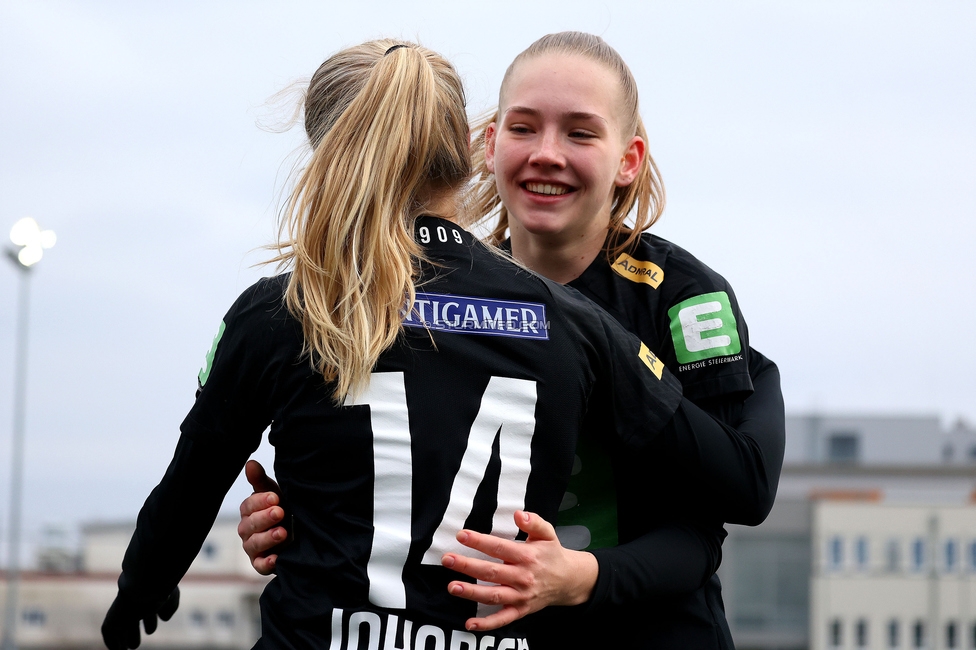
column 819, row 154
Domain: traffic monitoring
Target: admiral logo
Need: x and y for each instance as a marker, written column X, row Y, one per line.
column 638, row 270
column 704, row 327
column 471, row 315
column 651, row 361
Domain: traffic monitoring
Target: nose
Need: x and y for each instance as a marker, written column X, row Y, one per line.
column 548, row 151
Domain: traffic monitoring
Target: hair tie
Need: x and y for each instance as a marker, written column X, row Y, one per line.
column 395, row 47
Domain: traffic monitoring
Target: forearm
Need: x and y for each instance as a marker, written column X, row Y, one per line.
column 668, row 560
column 734, row 465
column 177, row 516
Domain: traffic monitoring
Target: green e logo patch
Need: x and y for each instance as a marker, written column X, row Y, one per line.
column 208, row 362
column 704, row 327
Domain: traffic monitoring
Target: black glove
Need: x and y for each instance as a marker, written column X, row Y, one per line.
column 120, row 630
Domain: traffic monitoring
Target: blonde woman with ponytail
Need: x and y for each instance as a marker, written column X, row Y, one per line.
column 353, row 266
column 415, row 383
column 564, row 175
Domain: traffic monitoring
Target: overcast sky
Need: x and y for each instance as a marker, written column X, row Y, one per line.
column 820, row 155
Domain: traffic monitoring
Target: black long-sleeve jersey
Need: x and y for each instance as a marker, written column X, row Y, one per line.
column 667, row 506
column 473, row 414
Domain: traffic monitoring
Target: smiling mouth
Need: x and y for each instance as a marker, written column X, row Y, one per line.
column 547, row 189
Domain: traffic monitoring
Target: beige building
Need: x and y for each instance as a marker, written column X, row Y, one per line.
column 218, row 596
column 772, row 574
column 893, row 576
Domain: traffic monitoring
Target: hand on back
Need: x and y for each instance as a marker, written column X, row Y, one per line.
column 526, row 576
column 261, row 515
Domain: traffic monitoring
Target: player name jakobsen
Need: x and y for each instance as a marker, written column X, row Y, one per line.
column 471, row 315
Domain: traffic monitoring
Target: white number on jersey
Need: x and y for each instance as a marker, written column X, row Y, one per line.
column 507, row 412
column 424, row 233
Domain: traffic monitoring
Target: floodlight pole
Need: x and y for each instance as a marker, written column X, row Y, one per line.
column 17, row 458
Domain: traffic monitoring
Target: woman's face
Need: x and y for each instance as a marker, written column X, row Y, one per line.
column 558, row 150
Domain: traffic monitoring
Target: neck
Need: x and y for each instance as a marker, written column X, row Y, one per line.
column 443, row 205
column 557, row 259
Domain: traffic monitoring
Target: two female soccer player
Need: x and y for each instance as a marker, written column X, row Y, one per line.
column 415, row 381
column 564, row 160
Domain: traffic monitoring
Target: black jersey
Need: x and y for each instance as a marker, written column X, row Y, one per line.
column 682, row 308
column 659, row 591
column 473, row 414
column 679, row 306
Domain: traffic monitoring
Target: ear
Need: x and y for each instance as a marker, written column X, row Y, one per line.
column 630, row 161
column 490, row 133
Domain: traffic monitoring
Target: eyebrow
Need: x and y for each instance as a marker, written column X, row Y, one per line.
column 576, row 115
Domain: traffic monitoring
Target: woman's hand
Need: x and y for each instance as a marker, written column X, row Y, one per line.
column 531, row 575
column 260, row 515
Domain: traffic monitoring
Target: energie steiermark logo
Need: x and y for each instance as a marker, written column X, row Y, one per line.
column 703, row 327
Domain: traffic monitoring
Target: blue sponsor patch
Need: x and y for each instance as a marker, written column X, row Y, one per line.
column 470, row 315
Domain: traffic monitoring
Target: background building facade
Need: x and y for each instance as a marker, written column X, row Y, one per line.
column 855, row 486
column 893, row 576
column 63, row 606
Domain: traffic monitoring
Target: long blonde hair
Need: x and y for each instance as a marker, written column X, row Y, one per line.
column 646, row 192
column 387, row 124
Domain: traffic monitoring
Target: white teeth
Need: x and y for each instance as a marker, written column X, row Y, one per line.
column 545, row 188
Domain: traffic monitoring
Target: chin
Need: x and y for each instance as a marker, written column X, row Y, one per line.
column 542, row 226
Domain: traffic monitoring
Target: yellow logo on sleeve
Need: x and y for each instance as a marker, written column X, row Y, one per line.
column 638, row 270
column 651, row 361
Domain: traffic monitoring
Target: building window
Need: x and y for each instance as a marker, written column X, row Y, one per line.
column 892, row 555
column 225, row 618
column 836, row 633
column 972, row 637
column 835, row 552
column 861, row 633
column 843, row 447
column 947, row 453
column 918, row 554
column 861, row 552
column 209, row 550
column 951, row 555
column 34, row 617
column 893, row 633
column 972, row 556
column 770, row 585
column 951, row 635
column 198, row 618
column 918, row 635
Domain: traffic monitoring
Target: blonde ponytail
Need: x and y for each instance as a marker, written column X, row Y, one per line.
column 387, row 123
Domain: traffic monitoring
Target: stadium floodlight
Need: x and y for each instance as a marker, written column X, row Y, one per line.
column 32, row 240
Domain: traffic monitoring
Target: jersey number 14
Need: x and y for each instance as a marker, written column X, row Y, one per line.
column 507, row 412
